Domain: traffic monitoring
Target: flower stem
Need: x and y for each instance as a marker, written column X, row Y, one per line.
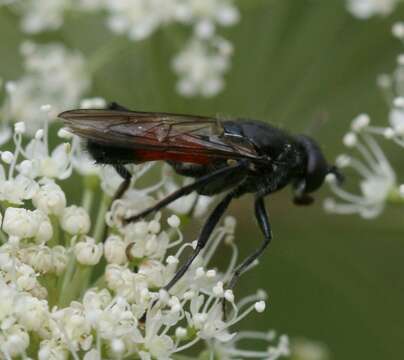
column 98, row 235
column 49, row 281
column 55, row 225
column 74, row 286
column 87, row 200
column 100, row 222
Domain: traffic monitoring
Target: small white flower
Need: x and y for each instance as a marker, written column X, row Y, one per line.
column 15, row 341
column 75, row 220
column 53, row 350
column 87, row 252
column 398, row 30
column 115, row 250
column 377, row 179
column 31, row 312
column 50, row 199
column 7, row 157
column 364, row 9
column 45, row 229
column 17, row 189
column 19, row 127
column 173, row 221
column 93, row 103
column 155, row 273
column 20, row 222
column 260, row 306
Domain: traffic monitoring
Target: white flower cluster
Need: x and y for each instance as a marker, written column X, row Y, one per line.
column 364, row 9
column 378, row 183
column 53, row 74
column 200, row 66
column 203, row 61
column 67, row 294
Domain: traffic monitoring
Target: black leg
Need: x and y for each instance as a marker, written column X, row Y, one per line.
column 265, row 226
column 203, row 237
column 127, row 176
column 199, row 183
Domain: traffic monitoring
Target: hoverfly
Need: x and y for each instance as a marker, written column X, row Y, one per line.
column 230, row 157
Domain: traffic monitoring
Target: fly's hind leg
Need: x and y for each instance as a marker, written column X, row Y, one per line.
column 265, row 226
column 203, row 237
column 127, row 177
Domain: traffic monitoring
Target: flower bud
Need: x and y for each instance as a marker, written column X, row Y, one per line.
column 45, row 229
column 75, row 220
column 181, row 333
column 60, row 258
column 115, row 250
column 154, row 227
column 15, row 342
column 260, row 306
column 50, row 199
column 39, row 257
column 154, row 272
column 52, row 350
column 26, row 278
column 19, row 127
column 174, row 221
column 88, row 252
column 117, row 346
column 7, row 157
column 20, row 222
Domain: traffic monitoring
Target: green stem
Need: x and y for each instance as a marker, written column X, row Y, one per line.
column 100, row 222
column 73, row 286
column 98, row 235
column 65, row 287
column 3, row 237
column 88, row 198
column 56, row 231
column 49, row 281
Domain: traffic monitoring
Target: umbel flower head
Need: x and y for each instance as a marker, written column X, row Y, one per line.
column 76, row 283
column 377, row 178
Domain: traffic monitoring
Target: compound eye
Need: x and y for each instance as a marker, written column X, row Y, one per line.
column 316, row 166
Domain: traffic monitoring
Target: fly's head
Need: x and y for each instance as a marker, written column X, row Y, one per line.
column 316, row 168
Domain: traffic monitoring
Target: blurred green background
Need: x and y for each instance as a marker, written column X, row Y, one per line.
column 335, row 279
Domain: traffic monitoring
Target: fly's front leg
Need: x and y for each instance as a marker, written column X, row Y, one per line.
column 199, row 183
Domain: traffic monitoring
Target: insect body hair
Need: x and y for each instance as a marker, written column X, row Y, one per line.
column 107, row 154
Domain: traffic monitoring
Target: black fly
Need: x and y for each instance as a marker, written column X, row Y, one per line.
column 233, row 157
